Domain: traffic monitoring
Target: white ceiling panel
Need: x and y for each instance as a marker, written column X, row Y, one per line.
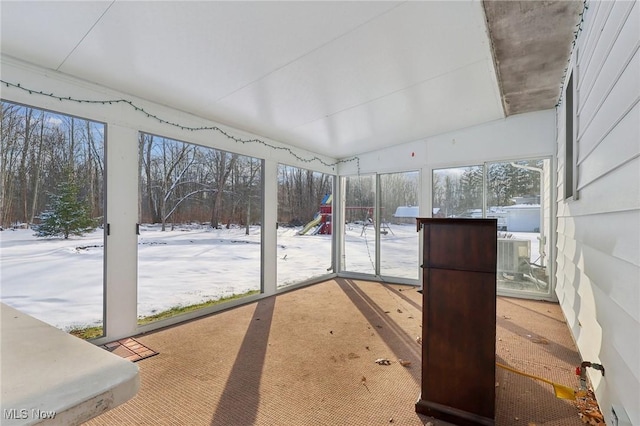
column 45, row 33
column 394, row 56
column 405, row 115
column 337, row 78
column 208, row 49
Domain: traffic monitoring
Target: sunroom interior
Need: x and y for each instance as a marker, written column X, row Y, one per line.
column 227, row 152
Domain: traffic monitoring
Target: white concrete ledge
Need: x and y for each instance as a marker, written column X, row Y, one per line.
column 48, row 376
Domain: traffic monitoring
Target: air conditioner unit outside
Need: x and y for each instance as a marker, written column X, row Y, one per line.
column 513, row 254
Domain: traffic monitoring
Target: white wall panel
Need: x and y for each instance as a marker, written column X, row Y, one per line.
column 520, row 136
column 589, row 34
column 609, row 316
column 621, row 388
column 614, row 234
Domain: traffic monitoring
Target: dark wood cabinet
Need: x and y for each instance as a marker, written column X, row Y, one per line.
column 458, row 320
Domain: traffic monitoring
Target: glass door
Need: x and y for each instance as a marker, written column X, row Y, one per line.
column 305, row 228
column 359, row 236
column 399, row 241
column 518, row 195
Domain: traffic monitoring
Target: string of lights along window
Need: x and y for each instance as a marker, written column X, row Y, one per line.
column 150, row 115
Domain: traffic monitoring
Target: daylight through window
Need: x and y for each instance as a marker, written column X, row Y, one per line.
column 51, row 216
column 517, row 195
column 200, row 227
column 305, row 225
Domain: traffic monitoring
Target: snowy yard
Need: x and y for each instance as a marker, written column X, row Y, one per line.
column 61, row 281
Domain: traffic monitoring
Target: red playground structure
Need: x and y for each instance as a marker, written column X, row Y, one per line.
column 321, row 222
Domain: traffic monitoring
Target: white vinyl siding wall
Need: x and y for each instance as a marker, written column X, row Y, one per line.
column 598, row 240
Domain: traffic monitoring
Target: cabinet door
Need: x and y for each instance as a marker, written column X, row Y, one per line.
column 459, row 340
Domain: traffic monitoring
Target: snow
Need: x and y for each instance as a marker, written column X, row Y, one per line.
column 53, row 279
column 193, row 264
column 61, row 281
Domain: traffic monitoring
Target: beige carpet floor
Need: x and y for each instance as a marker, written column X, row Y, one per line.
column 307, row 357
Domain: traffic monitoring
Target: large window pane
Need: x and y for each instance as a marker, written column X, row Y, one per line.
column 359, row 244
column 399, row 241
column 516, row 196
column 51, row 217
column 457, row 192
column 304, row 224
column 200, row 227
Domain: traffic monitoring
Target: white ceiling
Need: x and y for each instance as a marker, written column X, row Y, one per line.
column 336, row 78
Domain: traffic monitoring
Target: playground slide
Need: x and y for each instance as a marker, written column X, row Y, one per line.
column 316, row 220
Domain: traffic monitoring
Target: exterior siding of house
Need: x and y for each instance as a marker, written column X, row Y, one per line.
column 598, row 229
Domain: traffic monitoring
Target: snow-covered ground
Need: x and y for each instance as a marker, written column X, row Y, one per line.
column 61, row 281
column 193, row 264
column 58, row 281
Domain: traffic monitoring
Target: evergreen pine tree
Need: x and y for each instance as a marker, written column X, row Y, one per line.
column 67, row 214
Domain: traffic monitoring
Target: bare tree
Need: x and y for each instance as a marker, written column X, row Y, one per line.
column 176, row 159
column 249, row 188
column 37, row 168
column 300, row 193
column 223, row 164
column 22, row 168
column 9, row 151
column 36, row 148
column 146, row 150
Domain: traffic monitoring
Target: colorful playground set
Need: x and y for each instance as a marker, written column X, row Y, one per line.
column 321, row 222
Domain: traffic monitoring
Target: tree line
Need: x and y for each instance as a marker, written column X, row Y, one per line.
column 457, row 191
column 185, row 183
column 300, row 193
column 38, row 151
column 50, row 162
column 47, row 159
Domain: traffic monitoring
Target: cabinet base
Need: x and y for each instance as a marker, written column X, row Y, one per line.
column 452, row 415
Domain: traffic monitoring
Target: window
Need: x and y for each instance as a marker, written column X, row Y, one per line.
column 359, row 239
column 200, row 227
column 380, row 236
column 569, row 157
column 52, row 216
column 305, row 226
column 457, row 192
column 399, row 241
column 517, row 195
